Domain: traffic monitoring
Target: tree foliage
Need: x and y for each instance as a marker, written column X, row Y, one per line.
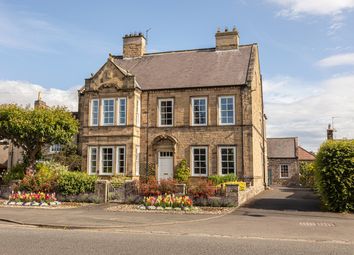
column 335, row 175
column 31, row 129
column 183, row 172
column 307, row 174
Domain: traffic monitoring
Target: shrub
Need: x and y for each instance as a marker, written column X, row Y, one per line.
column 119, row 180
column 44, row 180
column 335, row 175
column 73, row 183
column 218, row 179
column 149, row 187
column 182, row 172
column 216, row 202
column 242, row 185
column 15, row 173
column 307, row 174
column 167, row 186
column 201, row 189
column 153, row 188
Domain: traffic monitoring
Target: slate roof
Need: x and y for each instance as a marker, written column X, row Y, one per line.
column 304, row 155
column 282, row 147
column 189, row 68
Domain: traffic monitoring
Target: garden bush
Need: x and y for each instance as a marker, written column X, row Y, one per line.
column 335, row 175
column 73, row 183
column 45, row 178
column 119, row 180
column 154, row 188
column 167, row 186
column 15, row 173
column 201, row 189
column 149, row 187
column 182, row 172
column 307, row 174
column 242, row 185
column 218, row 179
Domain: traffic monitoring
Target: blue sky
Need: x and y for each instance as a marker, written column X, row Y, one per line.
column 306, row 50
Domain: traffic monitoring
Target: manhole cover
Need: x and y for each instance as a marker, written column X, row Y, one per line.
column 317, row 224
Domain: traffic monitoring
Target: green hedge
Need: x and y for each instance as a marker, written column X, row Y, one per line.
column 335, row 175
column 218, row 179
column 73, row 183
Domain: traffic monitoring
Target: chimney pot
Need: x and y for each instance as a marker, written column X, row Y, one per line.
column 227, row 40
column 330, row 131
column 134, row 45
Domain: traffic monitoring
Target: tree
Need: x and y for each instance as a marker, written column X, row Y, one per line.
column 31, row 129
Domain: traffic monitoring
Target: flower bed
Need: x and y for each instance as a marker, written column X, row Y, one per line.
column 32, row 199
column 167, row 202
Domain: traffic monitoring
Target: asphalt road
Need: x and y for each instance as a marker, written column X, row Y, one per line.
column 26, row 240
column 278, row 221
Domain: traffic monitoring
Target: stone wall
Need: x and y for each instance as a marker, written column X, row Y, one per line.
column 274, row 167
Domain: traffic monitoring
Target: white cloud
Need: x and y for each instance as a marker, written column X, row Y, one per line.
column 337, row 60
column 335, row 9
column 25, row 93
column 314, row 7
column 295, row 108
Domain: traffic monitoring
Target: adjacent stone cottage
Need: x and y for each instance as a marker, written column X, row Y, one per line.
column 145, row 111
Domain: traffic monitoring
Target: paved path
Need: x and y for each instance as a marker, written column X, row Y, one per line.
column 282, row 199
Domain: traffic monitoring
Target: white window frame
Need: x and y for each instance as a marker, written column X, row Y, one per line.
column 138, row 112
column 101, row 160
column 206, row 160
column 159, row 111
column 89, row 162
column 118, row 160
column 57, row 145
column 91, row 112
column 102, row 112
column 219, row 111
column 119, row 123
column 280, row 174
column 220, row 159
column 206, row 111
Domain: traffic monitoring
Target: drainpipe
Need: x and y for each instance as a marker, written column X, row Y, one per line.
column 263, row 138
column 147, row 135
column 242, row 142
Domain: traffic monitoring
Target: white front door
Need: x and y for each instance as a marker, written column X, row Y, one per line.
column 165, row 168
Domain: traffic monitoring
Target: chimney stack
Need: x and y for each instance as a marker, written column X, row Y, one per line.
column 330, row 131
column 227, row 40
column 39, row 103
column 134, row 45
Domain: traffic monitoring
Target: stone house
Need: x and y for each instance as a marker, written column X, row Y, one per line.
column 143, row 111
column 284, row 159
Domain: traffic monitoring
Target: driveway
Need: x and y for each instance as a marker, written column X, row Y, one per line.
column 286, row 199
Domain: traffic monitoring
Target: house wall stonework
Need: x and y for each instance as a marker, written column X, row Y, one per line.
column 293, row 166
column 246, row 134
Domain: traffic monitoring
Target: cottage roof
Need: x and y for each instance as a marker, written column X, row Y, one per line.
column 189, row 68
column 305, row 155
column 282, row 147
